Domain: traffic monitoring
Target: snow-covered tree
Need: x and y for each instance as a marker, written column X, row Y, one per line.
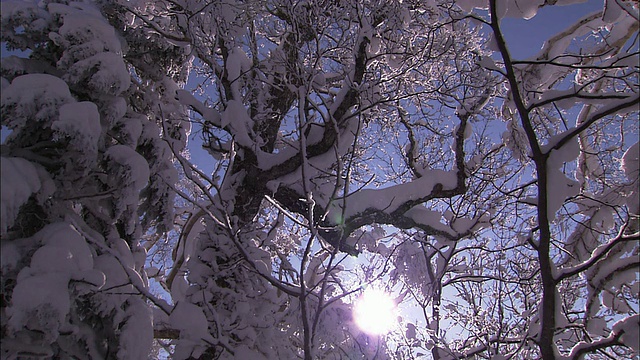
column 85, row 176
column 354, row 144
column 556, row 275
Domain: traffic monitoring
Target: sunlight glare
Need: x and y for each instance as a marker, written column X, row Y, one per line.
column 375, row 312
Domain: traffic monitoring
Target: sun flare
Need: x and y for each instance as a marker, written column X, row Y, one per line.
column 375, row 312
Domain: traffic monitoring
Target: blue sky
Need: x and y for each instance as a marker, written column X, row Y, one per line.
column 525, row 37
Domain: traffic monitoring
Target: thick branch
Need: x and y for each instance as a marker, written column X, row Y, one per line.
column 170, row 334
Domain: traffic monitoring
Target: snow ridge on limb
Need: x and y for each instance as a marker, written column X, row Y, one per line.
column 625, row 332
column 391, row 205
column 208, row 114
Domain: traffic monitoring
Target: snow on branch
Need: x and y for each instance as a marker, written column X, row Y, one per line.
column 599, row 254
column 625, row 332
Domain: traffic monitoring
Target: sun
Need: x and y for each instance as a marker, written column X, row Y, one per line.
column 375, row 312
